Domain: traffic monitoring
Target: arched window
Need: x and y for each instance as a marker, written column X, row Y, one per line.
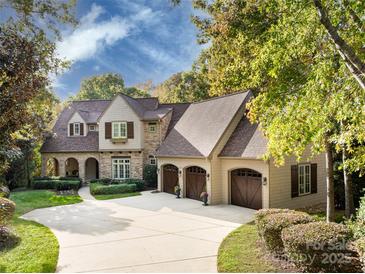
column 152, row 160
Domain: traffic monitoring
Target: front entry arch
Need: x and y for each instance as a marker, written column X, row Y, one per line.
column 196, row 180
column 246, row 188
column 91, row 169
column 170, row 178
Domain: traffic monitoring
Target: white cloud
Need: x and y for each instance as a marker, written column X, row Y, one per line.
column 91, row 37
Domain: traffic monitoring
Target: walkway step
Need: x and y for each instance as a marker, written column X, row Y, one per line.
column 84, row 193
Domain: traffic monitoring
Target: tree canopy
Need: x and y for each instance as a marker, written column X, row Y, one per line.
column 106, row 86
column 182, row 87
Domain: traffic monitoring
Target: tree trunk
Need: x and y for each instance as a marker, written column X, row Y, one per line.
column 353, row 62
column 330, row 184
column 349, row 196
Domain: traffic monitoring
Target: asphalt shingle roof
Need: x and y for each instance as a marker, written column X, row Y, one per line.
column 201, row 126
column 247, row 141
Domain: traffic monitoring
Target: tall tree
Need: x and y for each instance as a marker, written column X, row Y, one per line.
column 106, row 86
column 282, row 50
column 27, row 57
column 183, row 87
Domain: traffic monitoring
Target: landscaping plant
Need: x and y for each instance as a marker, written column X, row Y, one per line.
column 99, row 189
column 262, row 213
column 150, row 175
column 7, row 209
column 320, row 247
column 273, row 224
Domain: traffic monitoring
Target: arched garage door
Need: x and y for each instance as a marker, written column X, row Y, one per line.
column 246, row 188
column 195, row 182
column 170, row 178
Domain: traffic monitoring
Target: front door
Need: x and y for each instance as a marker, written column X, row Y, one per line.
column 246, row 188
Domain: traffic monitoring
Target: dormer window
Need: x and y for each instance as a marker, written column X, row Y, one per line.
column 119, row 130
column 76, row 128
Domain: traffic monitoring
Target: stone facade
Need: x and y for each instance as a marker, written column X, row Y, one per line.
column 152, row 140
column 104, row 160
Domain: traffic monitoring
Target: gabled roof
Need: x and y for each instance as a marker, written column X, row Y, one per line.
column 201, row 126
column 89, row 110
column 247, row 141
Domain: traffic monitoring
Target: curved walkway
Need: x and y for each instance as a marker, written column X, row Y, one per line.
column 154, row 232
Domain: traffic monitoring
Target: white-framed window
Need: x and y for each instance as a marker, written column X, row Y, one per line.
column 152, row 127
column 121, row 168
column 304, row 180
column 76, row 128
column 152, row 160
column 119, row 130
column 92, row 127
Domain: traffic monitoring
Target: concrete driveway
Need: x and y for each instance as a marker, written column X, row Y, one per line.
column 154, row 232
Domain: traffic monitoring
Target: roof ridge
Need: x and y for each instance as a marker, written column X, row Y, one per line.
column 223, row 96
column 175, row 103
column 90, row 100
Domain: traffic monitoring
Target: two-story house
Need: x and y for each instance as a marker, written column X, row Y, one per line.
column 208, row 146
column 109, row 138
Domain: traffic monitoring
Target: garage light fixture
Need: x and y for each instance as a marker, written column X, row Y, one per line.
column 208, row 175
column 180, row 172
column 264, row 181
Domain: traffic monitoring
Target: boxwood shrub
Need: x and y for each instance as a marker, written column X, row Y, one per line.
column 317, row 246
column 273, row 224
column 140, row 184
column 99, row 189
column 57, row 184
column 7, row 238
column 262, row 213
column 56, row 178
column 150, row 175
column 7, row 209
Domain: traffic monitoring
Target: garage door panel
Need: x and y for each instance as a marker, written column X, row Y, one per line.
column 246, row 188
column 195, row 182
column 170, row 178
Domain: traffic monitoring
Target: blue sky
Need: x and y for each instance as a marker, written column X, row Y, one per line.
column 140, row 39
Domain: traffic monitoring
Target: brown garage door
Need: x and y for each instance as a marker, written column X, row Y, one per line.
column 246, row 188
column 170, row 178
column 195, row 182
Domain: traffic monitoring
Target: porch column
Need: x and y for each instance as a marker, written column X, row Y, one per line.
column 181, row 174
column 44, row 166
column 61, row 167
column 81, row 169
column 159, row 178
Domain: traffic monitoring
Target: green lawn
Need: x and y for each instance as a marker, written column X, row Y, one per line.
column 239, row 252
column 38, row 247
column 116, row 196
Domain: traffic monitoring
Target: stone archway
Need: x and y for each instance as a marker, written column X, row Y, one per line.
column 72, row 167
column 91, row 169
column 52, row 167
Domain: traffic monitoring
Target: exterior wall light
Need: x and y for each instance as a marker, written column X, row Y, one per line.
column 208, row 175
column 264, row 181
column 180, row 172
column 158, row 170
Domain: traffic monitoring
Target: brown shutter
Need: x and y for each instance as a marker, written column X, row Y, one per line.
column 108, row 130
column 82, row 129
column 313, row 178
column 71, row 129
column 130, row 130
column 294, row 181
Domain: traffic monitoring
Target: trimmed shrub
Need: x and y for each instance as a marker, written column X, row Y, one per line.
column 99, row 189
column 67, row 185
column 317, row 246
column 4, row 192
column 357, row 226
column 262, row 213
column 57, row 184
column 56, row 178
column 273, row 224
column 140, row 184
column 8, row 238
column 7, row 209
column 150, row 175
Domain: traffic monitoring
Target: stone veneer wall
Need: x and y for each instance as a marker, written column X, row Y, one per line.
column 152, row 140
column 104, row 159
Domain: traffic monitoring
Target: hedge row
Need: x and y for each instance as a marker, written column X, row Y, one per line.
column 140, row 184
column 100, row 189
column 56, row 178
column 312, row 246
column 57, row 184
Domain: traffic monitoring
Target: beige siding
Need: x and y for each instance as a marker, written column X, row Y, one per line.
column 182, row 164
column 217, row 177
column 76, row 118
column 280, row 184
column 119, row 110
